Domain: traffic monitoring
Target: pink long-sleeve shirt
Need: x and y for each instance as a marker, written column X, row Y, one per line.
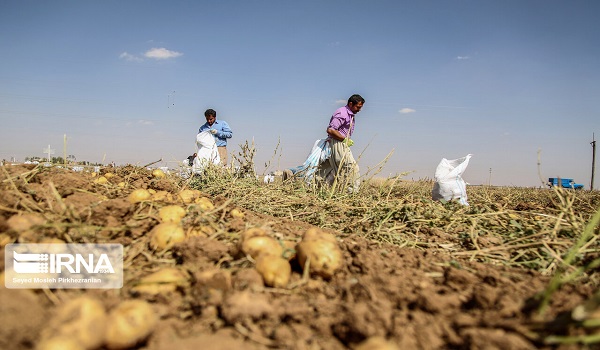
column 341, row 120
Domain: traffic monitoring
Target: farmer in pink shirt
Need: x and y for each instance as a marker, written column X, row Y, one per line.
column 341, row 168
column 331, row 159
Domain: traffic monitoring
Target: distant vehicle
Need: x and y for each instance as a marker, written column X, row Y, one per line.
column 565, row 183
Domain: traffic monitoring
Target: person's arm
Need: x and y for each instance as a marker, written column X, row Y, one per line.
column 337, row 120
column 334, row 134
column 225, row 132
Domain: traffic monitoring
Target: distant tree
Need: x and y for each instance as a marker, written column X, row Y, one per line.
column 33, row 158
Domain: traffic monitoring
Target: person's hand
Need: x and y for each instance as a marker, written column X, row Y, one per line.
column 213, row 131
column 348, row 141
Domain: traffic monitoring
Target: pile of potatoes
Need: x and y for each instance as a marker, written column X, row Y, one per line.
column 318, row 252
column 170, row 229
column 84, row 324
column 268, row 254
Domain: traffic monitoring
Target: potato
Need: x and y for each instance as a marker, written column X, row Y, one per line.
column 252, row 232
column 109, row 175
column 315, row 233
column 162, row 281
column 188, row 196
column 377, row 343
column 61, row 342
column 5, row 239
column 162, row 196
column 171, row 213
column 249, row 233
column 164, row 235
column 256, row 246
column 82, row 319
column 204, row 204
column 158, row 173
column 23, row 222
column 325, row 257
column 129, row 323
column 236, row 213
column 101, row 180
column 274, row 269
column 121, row 184
column 139, row 195
column 52, row 240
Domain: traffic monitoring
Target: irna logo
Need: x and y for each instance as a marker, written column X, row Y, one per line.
column 63, row 266
column 54, row 263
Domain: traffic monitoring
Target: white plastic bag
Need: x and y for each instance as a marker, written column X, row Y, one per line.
column 320, row 152
column 207, row 152
column 449, row 183
column 269, row 178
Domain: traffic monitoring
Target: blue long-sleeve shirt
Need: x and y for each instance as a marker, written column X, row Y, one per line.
column 223, row 131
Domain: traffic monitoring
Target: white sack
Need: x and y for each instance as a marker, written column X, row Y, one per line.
column 207, row 152
column 320, row 152
column 449, row 183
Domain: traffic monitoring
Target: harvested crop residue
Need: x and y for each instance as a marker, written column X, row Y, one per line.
column 206, row 294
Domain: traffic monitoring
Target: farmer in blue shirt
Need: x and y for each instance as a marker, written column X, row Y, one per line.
column 220, row 129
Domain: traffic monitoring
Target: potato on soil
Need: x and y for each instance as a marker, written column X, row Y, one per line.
column 315, row 234
column 101, row 180
column 139, row 195
column 163, row 196
column 23, row 222
column 204, row 204
column 251, row 232
column 236, row 213
column 164, row 235
column 274, row 269
column 376, row 343
column 129, row 323
column 5, row 239
column 171, row 213
column 83, row 319
column 162, row 281
column 61, row 342
column 52, row 240
column 256, row 246
column 188, row 196
column 158, row 173
column 325, row 257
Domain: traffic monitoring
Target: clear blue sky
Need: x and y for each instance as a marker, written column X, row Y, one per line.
column 128, row 81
